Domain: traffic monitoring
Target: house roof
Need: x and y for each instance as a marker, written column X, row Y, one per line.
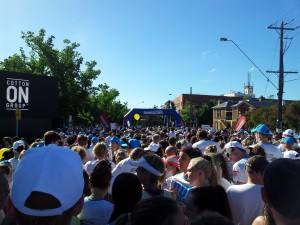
column 225, row 105
column 254, row 104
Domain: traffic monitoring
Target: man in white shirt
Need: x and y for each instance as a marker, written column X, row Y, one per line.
column 204, row 142
column 262, row 134
column 238, row 154
column 245, row 200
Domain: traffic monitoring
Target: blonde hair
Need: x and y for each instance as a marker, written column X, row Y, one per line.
column 81, row 151
column 157, row 163
column 207, row 165
column 100, row 150
column 211, row 149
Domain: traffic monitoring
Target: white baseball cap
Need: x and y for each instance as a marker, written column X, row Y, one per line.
column 236, row 144
column 152, row 147
column 52, row 170
column 143, row 163
column 288, row 132
column 18, row 143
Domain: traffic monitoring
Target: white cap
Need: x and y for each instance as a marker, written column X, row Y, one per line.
column 52, row 170
column 143, row 163
column 236, row 144
column 152, row 147
column 288, row 132
column 291, row 154
column 18, row 143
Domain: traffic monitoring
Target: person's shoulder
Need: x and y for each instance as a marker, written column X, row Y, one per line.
column 241, row 162
column 259, row 221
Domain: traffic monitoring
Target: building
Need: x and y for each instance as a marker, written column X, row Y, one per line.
column 198, row 100
column 248, row 90
column 226, row 114
column 231, row 96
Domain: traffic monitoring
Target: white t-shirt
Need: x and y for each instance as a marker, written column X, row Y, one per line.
column 202, row 144
column 122, row 167
column 239, row 173
column 14, row 163
column 281, row 146
column 90, row 165
column 225, row 183
column 89, row 154
column 272, row 152
column 182, row 185
column 245, row 203
column 95, row 212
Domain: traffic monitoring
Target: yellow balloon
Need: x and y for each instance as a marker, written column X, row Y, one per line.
column 137, row 116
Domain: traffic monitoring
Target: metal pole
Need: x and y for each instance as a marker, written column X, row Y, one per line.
column 17, row 127
column 190, row 106
column 280, row 83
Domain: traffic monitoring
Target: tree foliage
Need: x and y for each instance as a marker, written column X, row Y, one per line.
column 265, row 115
column 199, row 115
column 268, row 116
column 169, row 105
column 77, row 95
column 291, row 116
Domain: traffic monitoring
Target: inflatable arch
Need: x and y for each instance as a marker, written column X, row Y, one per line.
column 150, row 112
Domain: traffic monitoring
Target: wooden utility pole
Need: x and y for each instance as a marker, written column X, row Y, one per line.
column 281, row 73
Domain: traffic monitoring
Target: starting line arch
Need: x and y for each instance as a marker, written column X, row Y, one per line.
column 153, row 112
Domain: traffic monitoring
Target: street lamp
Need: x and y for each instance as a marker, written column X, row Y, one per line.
column 225, row 39
column 279, row 103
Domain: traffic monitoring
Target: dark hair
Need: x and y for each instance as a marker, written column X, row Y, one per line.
column 5, row 169
column 172, row 141
column 71, row 140
column 191, row 152
column 164, row 144
column 282, row 185
column 87, row 188
column 202, row 134
column 51, row 136
column 256, row 164
column 101, row 175
column 211, row 218
column 210, row 198
column 155, row 210
column 82, row 139
column 257, row 150
column 193, row 140
column 64, row 218
column 126, row 193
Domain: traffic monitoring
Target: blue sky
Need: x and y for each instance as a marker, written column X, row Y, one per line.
column 148, row 49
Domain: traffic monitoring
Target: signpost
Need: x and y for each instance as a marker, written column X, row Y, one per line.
column 18, row 117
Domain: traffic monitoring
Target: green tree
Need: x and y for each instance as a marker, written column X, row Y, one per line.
column 169, row 105
column 185, row 113
column 265, row 115
column 75, row 78
column 291, row 116
column 204, row 115
column 104, row 99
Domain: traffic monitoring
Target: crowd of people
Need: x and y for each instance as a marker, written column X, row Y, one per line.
column 155, row 175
